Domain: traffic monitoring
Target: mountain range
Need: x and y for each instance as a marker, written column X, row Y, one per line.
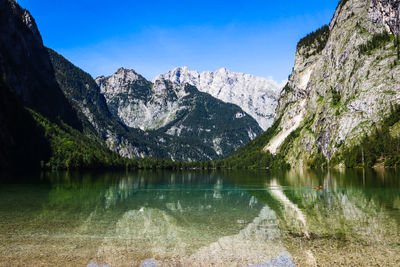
column 255, row 95
column 179, row 111
column 124, row 113
column 339, row 107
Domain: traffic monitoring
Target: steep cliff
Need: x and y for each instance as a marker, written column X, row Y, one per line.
column 345, row 82
column 25, row 65
column 26, row 80
column 22, row 142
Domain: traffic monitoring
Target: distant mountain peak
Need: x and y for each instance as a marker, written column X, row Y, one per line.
column 128, row 74
column 255, row 95
column 223, row 70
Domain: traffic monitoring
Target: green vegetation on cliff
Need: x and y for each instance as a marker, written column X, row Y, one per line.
column 382, row 147
column 377, row 41
column 315, row 41
column 70, row 149
column 252, row 156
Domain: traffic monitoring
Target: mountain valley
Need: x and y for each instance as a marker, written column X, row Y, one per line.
column 342, row 97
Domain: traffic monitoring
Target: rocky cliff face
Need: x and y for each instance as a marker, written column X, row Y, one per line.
column 25, row 65
column 178, row 110
column 256, row 96
column 386, row 13
column 344, row 82
column 26, row 80
column 132, row 100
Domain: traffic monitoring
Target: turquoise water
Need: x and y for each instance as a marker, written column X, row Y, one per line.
column 200, row 218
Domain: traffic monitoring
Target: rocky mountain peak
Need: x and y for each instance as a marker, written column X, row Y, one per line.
column 123, row 81
column 25, row 17
column 179, row 75
column 255, row 95
column 128, row 75
column 223, row 71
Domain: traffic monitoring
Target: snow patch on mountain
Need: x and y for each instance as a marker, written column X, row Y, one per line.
column 255, row 95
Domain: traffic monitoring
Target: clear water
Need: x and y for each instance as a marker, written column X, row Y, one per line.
column 201, row 218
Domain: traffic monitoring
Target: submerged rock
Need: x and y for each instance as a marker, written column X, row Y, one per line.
column 281, row 261
column 148, row 263
column 91, row 264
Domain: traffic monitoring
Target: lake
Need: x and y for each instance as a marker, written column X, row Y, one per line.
column 232, row 218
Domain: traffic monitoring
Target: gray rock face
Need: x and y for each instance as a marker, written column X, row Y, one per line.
column 335, row 96
column 386, row 13
column 139, row 103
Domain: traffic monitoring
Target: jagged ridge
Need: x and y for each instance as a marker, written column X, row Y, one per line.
column 256, row 96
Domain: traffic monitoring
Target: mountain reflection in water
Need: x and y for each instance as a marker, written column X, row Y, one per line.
column 201, row 218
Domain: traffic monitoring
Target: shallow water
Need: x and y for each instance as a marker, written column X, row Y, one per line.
column 232, row 218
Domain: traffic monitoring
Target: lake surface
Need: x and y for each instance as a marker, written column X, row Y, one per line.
column 236, row 218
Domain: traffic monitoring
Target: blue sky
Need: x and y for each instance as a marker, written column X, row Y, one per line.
column 152, row 37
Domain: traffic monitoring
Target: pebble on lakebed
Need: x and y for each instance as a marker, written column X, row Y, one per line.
column 281, row 261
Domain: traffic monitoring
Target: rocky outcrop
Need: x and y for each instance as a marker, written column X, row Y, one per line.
column 256, row 96
column 138, row 103
column 386, row 13
column 343, row 86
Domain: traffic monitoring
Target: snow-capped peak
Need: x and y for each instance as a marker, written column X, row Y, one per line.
column 255, row 95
